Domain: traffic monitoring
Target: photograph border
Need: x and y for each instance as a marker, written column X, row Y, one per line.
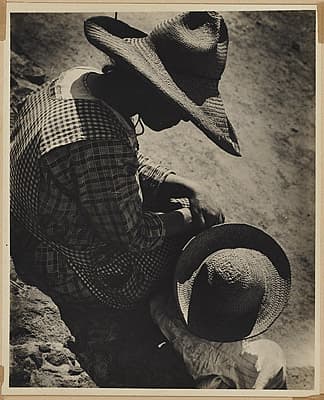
column 106, row 6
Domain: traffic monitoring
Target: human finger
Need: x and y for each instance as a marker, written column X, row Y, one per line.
column 198, row 217
column 214, row 218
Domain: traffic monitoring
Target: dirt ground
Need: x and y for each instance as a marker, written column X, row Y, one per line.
column 269, row 94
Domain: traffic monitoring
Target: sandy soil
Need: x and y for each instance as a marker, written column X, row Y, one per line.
column 268, row 91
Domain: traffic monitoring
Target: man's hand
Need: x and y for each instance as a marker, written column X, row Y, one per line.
column 177, row 222
column 204, row 208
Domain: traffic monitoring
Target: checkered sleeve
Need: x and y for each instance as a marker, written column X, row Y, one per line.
column 105, row 174
column 151, row 174
column 110, row 191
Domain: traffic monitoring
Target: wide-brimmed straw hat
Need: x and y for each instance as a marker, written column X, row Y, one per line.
column 183, row 58
column 232, row 281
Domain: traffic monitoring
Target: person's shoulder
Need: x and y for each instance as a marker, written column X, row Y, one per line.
column 71, row 83
column 77, row 71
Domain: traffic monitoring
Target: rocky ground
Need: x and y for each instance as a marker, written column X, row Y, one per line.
column 268, row 90
column 40, row 343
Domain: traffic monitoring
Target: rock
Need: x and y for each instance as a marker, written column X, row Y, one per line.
column 37, row 79
column 19, row 377
column 23, row 67
column 23, row 351
column 37, row 358
column 69, row 343
column 45, row 348
column 75, row 370
column 57, row 358
column 44, row 378
column 29, row 364
column 71, row 356
column 23, row 89
column 20, row 331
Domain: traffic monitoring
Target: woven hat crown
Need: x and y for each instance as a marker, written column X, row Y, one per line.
column 232, row 282
column 227, row 293
column 194, row 43
column 237, row 279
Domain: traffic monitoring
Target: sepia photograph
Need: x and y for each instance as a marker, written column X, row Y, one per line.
column 162, row 200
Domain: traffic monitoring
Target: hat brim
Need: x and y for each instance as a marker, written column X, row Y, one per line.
column 139, row 55
column 231, row 236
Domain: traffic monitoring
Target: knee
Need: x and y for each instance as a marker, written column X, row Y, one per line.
column 270, row 364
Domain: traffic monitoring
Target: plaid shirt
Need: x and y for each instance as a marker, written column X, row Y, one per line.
column 76, row 185
column 89, row 194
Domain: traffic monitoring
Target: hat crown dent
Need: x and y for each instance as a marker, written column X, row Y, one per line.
column 238, row 265
column 190, row 43
column 188, row 31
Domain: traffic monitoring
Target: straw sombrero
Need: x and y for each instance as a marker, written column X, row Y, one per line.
column 232, row 281
column 183, row 58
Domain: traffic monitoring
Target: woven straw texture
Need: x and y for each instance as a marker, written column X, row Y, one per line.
column 240, row 271
column 183, row 58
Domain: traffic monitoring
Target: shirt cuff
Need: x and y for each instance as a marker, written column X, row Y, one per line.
column 156, row 228
column 154, row 177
